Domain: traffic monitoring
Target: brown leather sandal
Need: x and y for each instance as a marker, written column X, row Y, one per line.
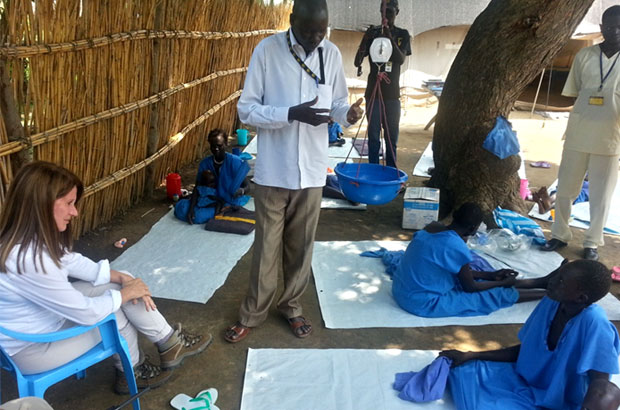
column 236, row 333
column 297, row 324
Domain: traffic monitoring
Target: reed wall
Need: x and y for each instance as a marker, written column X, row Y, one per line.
column 122, row 92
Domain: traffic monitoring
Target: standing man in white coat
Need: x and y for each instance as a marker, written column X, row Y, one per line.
column 295, row 83
column 592, row 143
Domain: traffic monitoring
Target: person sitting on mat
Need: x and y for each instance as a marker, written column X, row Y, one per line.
column 435, row 279
column 36, row 296
column 568, row 349
column 203, row 204
column 546, row 200
column 335, row 133
column 229, row 188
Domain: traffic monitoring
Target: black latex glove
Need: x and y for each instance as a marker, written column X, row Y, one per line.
column 306, row 114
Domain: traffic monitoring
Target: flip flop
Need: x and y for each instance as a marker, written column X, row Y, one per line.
column 241, row 333
column 615, row 273
column 540, row 164
column 204, row 401
column 296, row 323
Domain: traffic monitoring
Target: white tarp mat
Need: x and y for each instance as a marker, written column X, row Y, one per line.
column 332, row 203
column 354, row 291
column 333, row 379
column 184, row 262
column 425, row 162
column 580, row 214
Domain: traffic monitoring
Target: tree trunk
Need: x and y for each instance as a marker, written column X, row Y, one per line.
column 505, row 48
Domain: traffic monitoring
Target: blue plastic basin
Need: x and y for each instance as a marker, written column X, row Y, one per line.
column 372, row 184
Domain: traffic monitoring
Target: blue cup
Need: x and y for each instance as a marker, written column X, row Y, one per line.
column 242, row 137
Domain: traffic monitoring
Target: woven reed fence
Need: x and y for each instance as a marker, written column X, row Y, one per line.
column 123, row 92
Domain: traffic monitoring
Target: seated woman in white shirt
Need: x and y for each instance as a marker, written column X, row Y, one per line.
column 36, row 295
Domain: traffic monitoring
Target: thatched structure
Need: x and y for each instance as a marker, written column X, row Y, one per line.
column 121, row 92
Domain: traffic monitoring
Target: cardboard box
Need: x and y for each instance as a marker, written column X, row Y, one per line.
column 421, row 207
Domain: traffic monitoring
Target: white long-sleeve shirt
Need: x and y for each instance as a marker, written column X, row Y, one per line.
column 40, row 302
column 291, row 155
column 594, row 128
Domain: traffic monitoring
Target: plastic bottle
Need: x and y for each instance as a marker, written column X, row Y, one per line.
column 173, row 185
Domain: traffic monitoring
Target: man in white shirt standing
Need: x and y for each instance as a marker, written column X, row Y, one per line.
column 295, row 83
column 592, row 137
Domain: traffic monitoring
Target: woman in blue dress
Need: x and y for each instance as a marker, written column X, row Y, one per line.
column 435, row 279
column 568, row 350
column 221, row 181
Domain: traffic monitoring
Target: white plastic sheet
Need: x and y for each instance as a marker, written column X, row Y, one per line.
column 184, row 262
column 354, row 292
column 333, row 379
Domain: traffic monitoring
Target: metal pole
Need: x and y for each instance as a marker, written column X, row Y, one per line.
column 537, row 91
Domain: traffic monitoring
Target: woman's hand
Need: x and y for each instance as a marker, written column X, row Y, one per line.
column 504, row 274
column 126, row 280
column 119, row 277
column 149, row 304
column 136, row 289
column 458, row 357
column 508, row 282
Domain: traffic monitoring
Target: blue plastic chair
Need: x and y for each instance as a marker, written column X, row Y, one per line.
column 111, row 343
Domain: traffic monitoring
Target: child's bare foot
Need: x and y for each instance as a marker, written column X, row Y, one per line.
column 542, row 198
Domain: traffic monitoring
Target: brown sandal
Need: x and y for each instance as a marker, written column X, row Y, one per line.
column 297, row 324
column 236, row 333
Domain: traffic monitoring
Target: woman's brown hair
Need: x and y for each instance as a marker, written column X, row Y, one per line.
column 27, row 217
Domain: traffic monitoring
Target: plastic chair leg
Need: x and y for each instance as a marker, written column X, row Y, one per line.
column 128, row 370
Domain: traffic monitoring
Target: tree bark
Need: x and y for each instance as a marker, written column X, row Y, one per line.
column 505, row 48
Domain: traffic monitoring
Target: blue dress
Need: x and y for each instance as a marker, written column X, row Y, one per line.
column 204, row 208
column 541, row 378
column 426, row 281
column 229, row 179
column 334, row 131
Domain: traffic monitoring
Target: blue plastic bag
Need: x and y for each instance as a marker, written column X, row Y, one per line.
column 519, row 224
column 502, row 140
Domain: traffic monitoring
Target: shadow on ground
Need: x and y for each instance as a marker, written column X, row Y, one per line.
column 222, row 365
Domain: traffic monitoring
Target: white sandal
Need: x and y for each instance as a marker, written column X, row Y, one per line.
column 205, row 400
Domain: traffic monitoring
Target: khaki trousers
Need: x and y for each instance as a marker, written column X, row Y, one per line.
column 602, row 175
column 130, row 318
column 286, row 223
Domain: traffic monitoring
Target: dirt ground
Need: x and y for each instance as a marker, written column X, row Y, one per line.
column 222, row 365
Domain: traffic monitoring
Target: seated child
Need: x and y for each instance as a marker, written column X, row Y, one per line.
column 568, row 349
column 546, row 200
column 335, row 133
column 221, row 181
column 435, row 279
column 203, row 204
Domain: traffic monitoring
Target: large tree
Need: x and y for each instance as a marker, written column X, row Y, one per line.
column 505, row 48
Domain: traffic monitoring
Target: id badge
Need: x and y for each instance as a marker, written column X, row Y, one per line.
column 388, row 67
column 596, row 100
